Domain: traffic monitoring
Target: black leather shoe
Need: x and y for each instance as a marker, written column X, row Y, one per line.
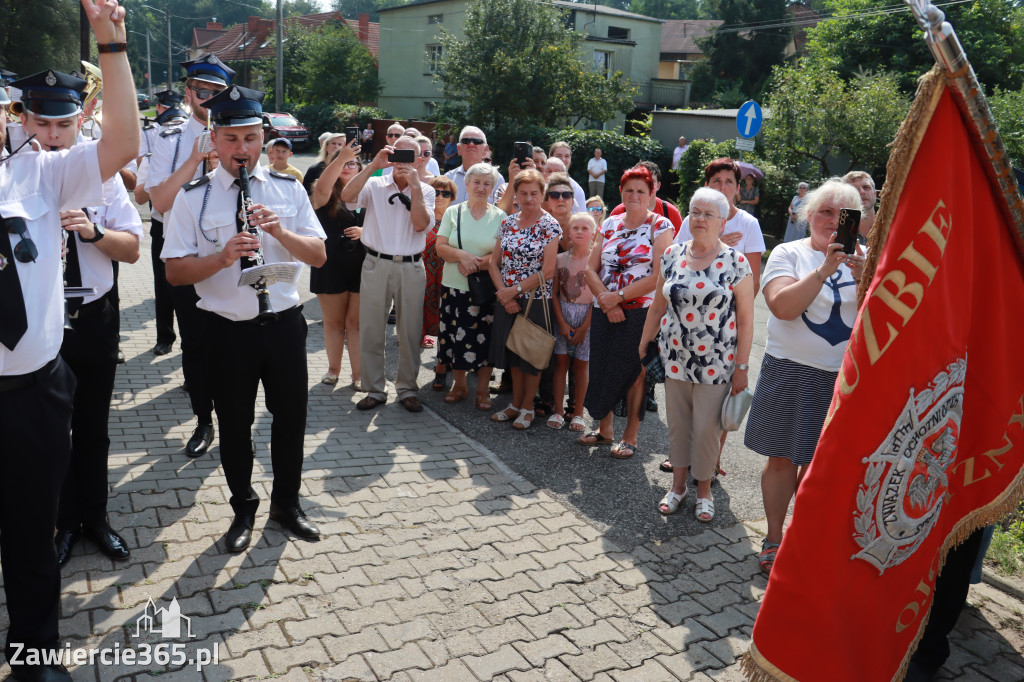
column 294, row 519
column 109, row 542
column 239, row 535
column 65, row 541
column 200, row 441
column 40, row 673
column 161, row 349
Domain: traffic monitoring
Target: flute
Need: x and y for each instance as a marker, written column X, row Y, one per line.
column 266, row 314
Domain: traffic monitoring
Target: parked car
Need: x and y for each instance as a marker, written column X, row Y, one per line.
column 287, row 126
column 144, row 102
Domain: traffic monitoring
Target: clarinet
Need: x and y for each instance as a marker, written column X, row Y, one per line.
column 266, row 314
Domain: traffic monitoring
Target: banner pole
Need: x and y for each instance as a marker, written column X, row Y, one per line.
column 970, row 98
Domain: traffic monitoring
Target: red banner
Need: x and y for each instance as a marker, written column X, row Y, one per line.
column 925, row 438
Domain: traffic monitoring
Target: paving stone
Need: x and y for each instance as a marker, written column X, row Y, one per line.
column 728, row 649
column 685, row 664
column 386, row 664
column 503, row 660
column 408, row 631
column 539, row 651
column 352, row 668
column 649, row 671
column 453, row 670
column 588, row 664
column 296, row 655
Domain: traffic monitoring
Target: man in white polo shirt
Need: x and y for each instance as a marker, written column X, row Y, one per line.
column 472, row 149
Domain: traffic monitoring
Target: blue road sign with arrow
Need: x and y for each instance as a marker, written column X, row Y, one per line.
column 749, row 119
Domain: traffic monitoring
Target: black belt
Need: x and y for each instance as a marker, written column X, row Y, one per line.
column 89, row 309
column 397, row 259
column 282, row 315
column 13, row 383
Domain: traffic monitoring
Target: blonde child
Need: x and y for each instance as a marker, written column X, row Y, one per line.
column 573, row 303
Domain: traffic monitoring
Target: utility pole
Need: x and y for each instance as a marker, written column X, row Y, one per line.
column 149, row 67
column 279, row 76
column 169, row 62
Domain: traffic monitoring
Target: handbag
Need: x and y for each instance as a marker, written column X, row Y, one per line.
column 529, row 340
column 652, row 363
column 481, row 286
column 734, row 409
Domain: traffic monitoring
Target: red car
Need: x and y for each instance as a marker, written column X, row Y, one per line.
column 286, row 126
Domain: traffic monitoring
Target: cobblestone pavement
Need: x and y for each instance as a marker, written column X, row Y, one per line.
column 437, row 562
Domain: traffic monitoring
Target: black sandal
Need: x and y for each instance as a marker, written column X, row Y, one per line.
column 440, row 381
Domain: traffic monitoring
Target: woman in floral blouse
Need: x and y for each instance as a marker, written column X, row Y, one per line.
column 622, row 278
column 704, row 307
column 523, row 260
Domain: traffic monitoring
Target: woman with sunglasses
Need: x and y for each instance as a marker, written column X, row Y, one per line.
column 465, row 241
column 329, row 146
column 597, row 209
column 336, row 283
column 622, row 278
column 444, row 194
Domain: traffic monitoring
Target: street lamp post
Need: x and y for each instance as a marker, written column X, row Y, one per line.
column 167, row 13
column 149, row 64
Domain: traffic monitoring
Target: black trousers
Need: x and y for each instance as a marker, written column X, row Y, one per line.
column 90, row 351
column 161, row 289
column 241, row 356
column 191, row 324
column 951, row 588
column 35, row 445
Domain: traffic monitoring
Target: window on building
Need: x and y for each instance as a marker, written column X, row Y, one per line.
column 433, row 58
column 617, row 33
column 603, row 61
column 435, row 19
column 430, row 108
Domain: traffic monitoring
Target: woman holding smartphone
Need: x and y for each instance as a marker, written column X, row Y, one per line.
column 810, row 287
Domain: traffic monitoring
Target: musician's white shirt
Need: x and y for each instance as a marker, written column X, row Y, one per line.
column 36, row 186
column 185, row 236
column 172, row 148
column 116, row 214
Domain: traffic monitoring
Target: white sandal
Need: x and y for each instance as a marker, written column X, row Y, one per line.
column 556, row 421
column 329, row 379
column 705, row 506
column 671, row 502
column 578, row 424
column 504, row 415
column 521, row 424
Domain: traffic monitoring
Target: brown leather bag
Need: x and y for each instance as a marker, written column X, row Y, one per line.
column 528, row 339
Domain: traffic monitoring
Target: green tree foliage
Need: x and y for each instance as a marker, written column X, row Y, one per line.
column 739, row 58
column 667, row 9
column 1008, row 109
column 520, row 63
column 860, row 37
column 39, row 35
column 351, row 9
column 816, row 115
column 327, row 65
column 298, row 8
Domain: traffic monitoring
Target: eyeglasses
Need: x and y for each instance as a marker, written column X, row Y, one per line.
column 25, row 250
column 472, row 140
column 351, row 164
column 702, row 215
column 445, row 193
column 203, row 93
column 561, row 195
column 426, row 153
column 595, row 209
column 487, row 160
column 394, row 135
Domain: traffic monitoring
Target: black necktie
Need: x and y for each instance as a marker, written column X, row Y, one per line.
column 13, row 319
column 73, row 269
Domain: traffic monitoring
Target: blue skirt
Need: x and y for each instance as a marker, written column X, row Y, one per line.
column 790, row 404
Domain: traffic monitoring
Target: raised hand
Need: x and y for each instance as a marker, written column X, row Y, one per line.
column 107, row 20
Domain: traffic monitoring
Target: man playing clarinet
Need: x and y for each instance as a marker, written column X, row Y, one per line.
column 207, row 243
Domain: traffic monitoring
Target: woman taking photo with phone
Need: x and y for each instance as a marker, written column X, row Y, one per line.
column 336, row 284
column 810, row 287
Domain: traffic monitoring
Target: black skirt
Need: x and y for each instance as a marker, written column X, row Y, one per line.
column 465, row 338
column 614, row 360
column 344, row 266
column 500, row 356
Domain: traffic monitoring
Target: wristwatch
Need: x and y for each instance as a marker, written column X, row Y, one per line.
column 743, row 366
column 519, row 287
column 100, row 234
column 622, row 294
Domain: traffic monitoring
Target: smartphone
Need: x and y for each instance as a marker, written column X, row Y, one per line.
column 402, row 156
column 522, row 151
column 846, row 232
column 351, row 133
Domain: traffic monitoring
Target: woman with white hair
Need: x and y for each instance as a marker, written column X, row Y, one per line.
column 796, row 228
column 810, row 286
column 465, row 240
column 330, row 143
column 704, row 307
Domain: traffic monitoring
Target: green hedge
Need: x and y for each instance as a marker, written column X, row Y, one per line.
column 621, row 151
column 777, row 187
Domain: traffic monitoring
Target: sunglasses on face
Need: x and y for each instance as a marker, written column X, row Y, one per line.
column 394, row 134
column 203, row 93
column 472, row 140
column 595, row 209
column 426, row 153
column 561, row 195
column 25, row 250
column 445, row 194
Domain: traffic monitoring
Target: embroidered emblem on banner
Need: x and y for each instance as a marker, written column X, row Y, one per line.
column 906, row 481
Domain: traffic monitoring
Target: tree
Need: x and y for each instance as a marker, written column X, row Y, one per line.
column 298, row 8
column 1008, row 111
column 817, row 116
column 351, row 9
column 39, row 35
column 739, row 57
column 861, row 37
column 519, row 63
column 327, row 65
column 667, row 9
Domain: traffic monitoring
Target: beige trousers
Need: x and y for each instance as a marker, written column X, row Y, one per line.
column 694, row 414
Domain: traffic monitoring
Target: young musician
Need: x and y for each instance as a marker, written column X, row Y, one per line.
column 36, row 386
column 207, row 244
